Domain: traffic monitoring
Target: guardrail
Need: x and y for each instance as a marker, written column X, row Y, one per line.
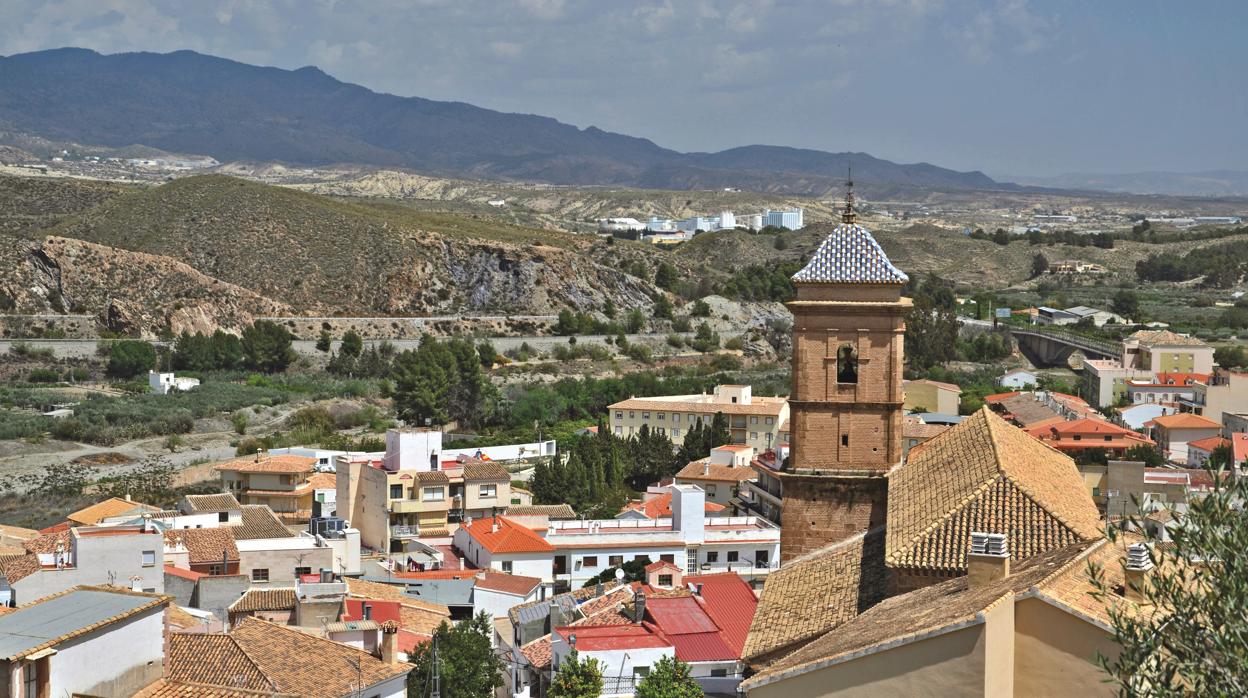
column 1075, row 340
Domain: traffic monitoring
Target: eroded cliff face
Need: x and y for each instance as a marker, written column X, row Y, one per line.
column 126, row 292
column 144, row 294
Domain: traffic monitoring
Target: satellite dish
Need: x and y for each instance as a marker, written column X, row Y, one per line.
column 619, row 574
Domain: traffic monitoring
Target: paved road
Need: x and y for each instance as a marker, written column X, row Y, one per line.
column 78, row 348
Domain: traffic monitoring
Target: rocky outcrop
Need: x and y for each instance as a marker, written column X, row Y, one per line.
column 127, row 292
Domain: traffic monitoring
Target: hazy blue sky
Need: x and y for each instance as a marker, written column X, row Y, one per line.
column 1008, row 86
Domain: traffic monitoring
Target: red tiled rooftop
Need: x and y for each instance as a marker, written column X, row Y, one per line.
column 660, row 507
column 612, row 637
column 514, row 584
column 501, row 535
column 1209, row 444
column 1183, row 420
column 380, row 611
column 184, row 573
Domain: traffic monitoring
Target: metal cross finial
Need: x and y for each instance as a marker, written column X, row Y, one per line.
column 848, row 216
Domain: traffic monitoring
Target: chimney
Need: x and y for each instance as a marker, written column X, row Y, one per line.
column 327, row 576
column 639, row 607
column 368, row 611
column 556, row 615
column 1136, row 573
column 989, row 559
column 706, row 467
column 389, row 642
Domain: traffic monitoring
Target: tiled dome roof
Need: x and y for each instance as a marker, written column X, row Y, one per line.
column 850, row 256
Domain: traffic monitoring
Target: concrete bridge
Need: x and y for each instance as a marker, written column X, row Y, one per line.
column 1048, row 346
column 1045, row 346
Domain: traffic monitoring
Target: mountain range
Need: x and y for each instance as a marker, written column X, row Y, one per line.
column 190, row 103
column 1209, row 183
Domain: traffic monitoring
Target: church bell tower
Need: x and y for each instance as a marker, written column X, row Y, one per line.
column 846, row 404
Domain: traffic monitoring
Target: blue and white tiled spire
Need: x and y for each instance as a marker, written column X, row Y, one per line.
column 850, row 255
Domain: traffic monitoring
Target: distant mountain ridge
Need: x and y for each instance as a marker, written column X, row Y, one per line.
column 186, row 102
column 1208, row 183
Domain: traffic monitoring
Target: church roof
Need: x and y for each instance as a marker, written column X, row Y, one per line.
column 850, row 255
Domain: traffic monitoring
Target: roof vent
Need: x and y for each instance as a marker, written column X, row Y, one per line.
column 1138, row 559
column 993, row 544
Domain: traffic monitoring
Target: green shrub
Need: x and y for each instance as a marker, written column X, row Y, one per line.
column 43, row 375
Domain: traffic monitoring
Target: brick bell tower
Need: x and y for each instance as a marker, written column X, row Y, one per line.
column 846, row 405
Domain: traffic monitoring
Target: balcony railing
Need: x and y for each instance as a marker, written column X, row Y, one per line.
column 404, row 531
column 412, row 506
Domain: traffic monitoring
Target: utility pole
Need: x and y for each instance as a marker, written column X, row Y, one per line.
column 437, row 679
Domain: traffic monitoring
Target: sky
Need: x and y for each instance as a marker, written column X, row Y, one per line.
column 1008, row 87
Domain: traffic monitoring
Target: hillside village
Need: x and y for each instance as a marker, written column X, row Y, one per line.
column 857, row 535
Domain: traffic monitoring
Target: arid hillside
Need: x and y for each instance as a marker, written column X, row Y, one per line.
column 323, row 255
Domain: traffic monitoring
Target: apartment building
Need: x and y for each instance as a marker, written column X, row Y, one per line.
column 279, row 482
column 747, row 545
column 756, row 421
column 1175, row 431
column 721, row 474
column 1226, row 391
column 85, row 555
column 1163, row 351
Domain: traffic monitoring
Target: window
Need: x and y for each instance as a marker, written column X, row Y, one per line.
column 753, row 436
column 30, row 680
column 732, row 556
column 660, row 431
column 224, row 516
column 712, row 556
column 260, row 574
column 619, row 415
column 619, row 430
column 846, row 365
column 753, row 420
column 719, row 672
column 1096, row 491
column 675, row 416
column 640, row 672
column 645, row 415
column 615, row 560
column 396, row 491
column 675, row 433
column 631, row 414
column 710, row 490
column 590, row 560
column 215, row 570
column 665, row 580
column 301, row 571
column 668, row 558
column 768, row 421
column 844, row 439
column 489, row 491
column 661, row 415
column 507, row 566
column 149, row 558
column 433, row 494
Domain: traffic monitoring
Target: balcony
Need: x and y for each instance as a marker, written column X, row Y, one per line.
column 404, row 531
column 416, row 506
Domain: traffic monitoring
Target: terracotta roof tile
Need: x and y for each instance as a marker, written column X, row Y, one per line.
column 697, row 404
column 306, row 665
column 323, row 481
column 205, row 545
column 1165, row 338
column 430, row 478
column 485, row 471
column 912, row 615
column 47, row 543
column 701, row 470
column 259, row 521
column 211, row 503
column 813, row 594
column 989, row 475
column 510, row 537
column 284, row 463
column 1183, row 420
column 507, row 583
column 552, row 511
column 178, row 689
column 107, row 509
column 660, row 507
column 252, row 600
column 212, row 659
column 15, row 567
